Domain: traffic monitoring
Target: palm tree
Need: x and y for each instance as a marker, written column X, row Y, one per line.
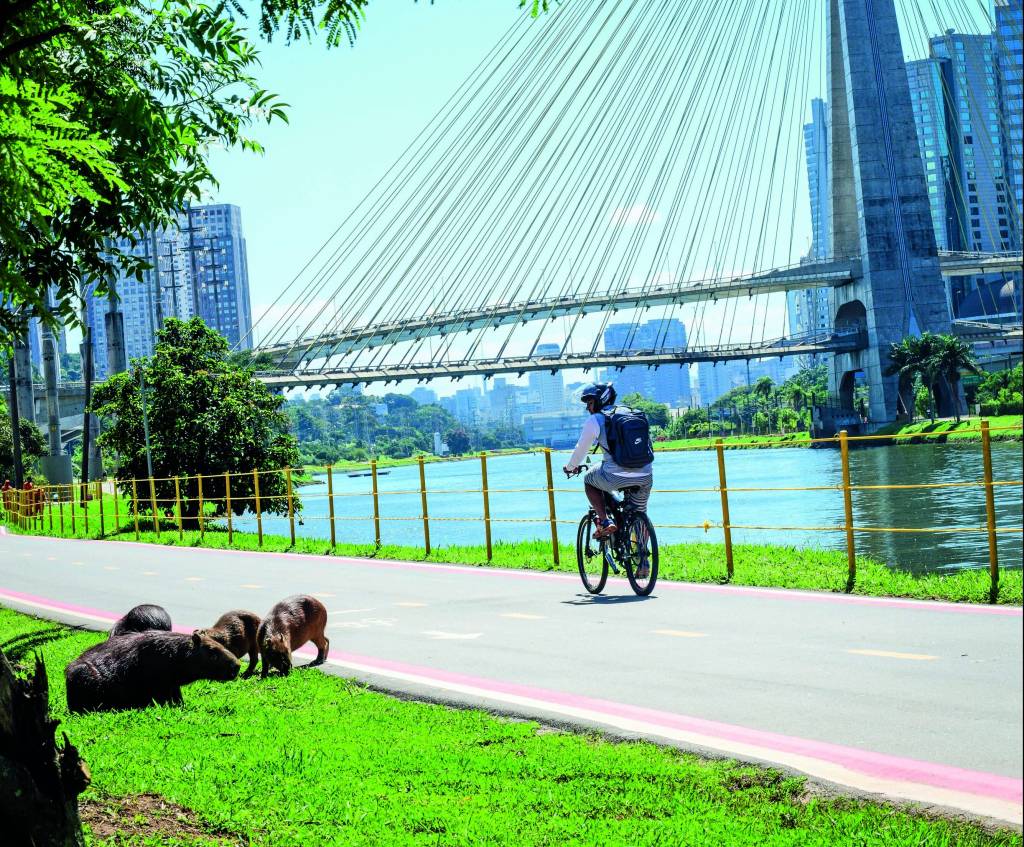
column 764, row 387
column 797, row 397
column 904, row 361
column 952, row 355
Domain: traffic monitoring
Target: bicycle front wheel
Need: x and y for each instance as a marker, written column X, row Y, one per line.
column 641, row 554
column 590, row 557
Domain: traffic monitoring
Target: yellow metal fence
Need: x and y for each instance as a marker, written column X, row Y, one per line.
column 172, row 504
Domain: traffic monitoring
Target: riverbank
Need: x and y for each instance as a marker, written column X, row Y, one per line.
column 1003, row 428
column 324, row 758
column 758, row 565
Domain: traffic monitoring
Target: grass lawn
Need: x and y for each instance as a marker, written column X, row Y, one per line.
column 316, row 760
column 764, row 565
column 1008, row 428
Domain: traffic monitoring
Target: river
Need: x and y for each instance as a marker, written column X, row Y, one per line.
column 519, row 504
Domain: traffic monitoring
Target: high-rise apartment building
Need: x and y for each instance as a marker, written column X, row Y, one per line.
column 197, row 267
column 962, row 126
column 548, row 388
column 667, row 384
column 808, row 310
column 1009, row 48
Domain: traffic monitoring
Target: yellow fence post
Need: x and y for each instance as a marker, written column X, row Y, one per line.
column 84, row 494
column 60, row 508
column 724, row 490
column 376, row 503
column 177, row 506
column 153, row 506
column 71, row 503
column 423, row 502
column 291, row 510
column 851, row 550
column 103, row 527
column 199, row 492
column 259, row 509
column 551, row 505
column 487, row 504
column 330, row 504
column 990, row 513
column 117, row 517
column 227, row 507
column 135, row 505
column 49, row 505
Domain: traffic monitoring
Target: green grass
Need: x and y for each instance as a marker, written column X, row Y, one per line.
column 968, row 429
column 736, row 442
column 316, row 760
column 763, row 565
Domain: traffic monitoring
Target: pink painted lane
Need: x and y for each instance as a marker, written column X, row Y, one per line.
column 923, row 781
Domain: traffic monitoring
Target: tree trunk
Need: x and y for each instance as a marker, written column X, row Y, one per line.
column 39, row 780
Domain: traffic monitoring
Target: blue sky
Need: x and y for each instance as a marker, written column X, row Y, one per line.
column 354, row 110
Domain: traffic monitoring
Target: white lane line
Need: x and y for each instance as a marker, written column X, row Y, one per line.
column 438, row 635
column 680, row 633
column 51, row 558
column 193, row 579
column 151, row 573
column 411, row 605
column 521, row 616
column 350, row 611
column 890, row 654
column 322, row 594
column 111, row 568
column 249, row 585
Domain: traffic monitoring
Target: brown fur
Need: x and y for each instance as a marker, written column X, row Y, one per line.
column 236, row 632
column 141, row 619
column 289, row 625
column 133, row 670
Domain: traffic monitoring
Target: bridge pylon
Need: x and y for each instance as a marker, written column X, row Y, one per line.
column 879, row 202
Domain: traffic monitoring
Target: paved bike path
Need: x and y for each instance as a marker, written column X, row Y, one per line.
column 908, row 699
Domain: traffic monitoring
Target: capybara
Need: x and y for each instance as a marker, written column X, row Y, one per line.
column 143, row 618
column 236, row 631
column 289, row 625
column 139, row 668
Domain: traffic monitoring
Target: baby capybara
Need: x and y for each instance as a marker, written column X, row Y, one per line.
column 142, row 618
column 236, row 631
column 139, row 668
column 289, row 625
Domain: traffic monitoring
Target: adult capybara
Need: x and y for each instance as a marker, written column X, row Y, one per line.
column 139, row 668
column 143, row 618
column 289, row 625
column 236, row 631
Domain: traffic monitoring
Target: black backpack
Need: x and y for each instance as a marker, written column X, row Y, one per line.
column 629, row 437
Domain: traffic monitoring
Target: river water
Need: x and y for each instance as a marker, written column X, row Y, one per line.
column 519, row 502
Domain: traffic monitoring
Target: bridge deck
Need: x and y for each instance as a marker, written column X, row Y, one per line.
column 796, row 278
column 520, row 365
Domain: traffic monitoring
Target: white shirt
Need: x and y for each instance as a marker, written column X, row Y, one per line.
column 593, row 433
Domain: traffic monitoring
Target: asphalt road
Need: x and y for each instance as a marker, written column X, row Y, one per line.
column 921, row 701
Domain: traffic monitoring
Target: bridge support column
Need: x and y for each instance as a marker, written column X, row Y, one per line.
column 23, row 378
column 878, row 196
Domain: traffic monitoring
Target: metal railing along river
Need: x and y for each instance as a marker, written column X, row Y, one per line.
column 174, row 504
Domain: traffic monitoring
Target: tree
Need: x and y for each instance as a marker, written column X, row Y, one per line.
column 458, row 441
column 903, row 362
column 33, row 444
column 788, row 420
column 953, row 356
column 657, row 413
column 764, row 388
column 206, row 416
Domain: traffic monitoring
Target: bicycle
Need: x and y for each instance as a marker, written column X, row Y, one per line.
column 632, row 545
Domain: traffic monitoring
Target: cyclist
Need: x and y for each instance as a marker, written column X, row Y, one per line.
column 609, row 476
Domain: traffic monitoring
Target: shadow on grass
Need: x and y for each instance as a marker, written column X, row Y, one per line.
column 18, row 647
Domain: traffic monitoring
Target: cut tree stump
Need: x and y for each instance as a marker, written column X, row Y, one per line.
column 39, row 780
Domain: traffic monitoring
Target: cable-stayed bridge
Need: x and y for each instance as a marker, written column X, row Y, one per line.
column 612, row 164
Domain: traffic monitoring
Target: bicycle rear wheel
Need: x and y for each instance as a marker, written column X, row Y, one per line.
column 590, row 557
column 641, row 553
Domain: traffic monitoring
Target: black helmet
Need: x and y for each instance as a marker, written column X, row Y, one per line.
column 603, row 392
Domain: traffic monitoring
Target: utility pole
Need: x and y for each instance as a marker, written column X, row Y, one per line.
column 155, row 253
column 50, row 372
column 15, row 421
